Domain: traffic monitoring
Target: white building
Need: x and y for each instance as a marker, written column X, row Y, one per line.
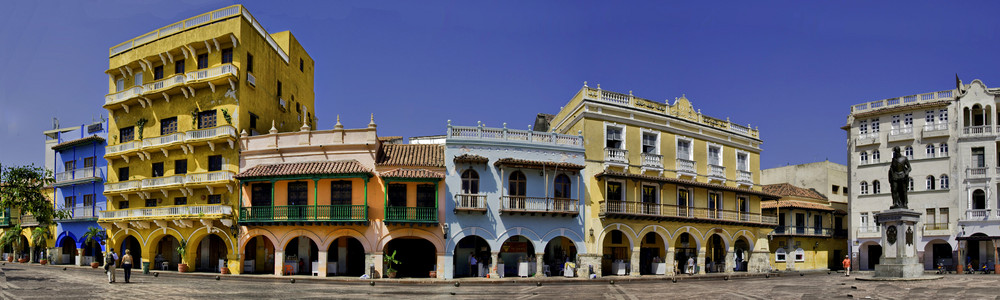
column 951, row 140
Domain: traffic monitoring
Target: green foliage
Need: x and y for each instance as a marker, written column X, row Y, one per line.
column 225, row 115
column 40, row 235
column 22, row 189
column 140, row 125
column 12, row 237
column 389, row 261
column 182, row 249
column 94, row 234
column 194, row 118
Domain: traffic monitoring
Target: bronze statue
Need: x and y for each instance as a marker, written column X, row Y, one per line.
column 899, row 178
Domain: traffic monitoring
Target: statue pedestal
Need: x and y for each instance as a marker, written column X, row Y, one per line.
column 899, row 249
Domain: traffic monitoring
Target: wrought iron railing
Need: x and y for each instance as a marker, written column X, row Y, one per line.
column 304, row 213
column 411, row 214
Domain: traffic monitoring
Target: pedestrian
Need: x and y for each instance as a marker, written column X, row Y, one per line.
column 127, row 265
column 473, row 265
column 847, row 264
column 690, row 266
column 109, row 264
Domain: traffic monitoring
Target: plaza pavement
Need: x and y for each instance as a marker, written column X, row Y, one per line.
column 32, row 281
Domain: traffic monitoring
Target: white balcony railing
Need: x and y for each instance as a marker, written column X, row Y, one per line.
column 214, row 176
column 650, row 160
column 718, row 172
column 616, row 155
column 980, row 215
column 985, row 130
column 125, row 94
column 470, row 201
column 165, row 83
column 89, row 172
column 513, row 135
column 163, row 140
column 85, row 212
column 744, row 177
column 252, row 80
column 867, row 139
column 906, row 100
column 177, row 211
column 122, row 186
column 123, row 147
column 213, row 72
column 209, row 133
column 685, row 166
column 975, row 172
column 163, row 181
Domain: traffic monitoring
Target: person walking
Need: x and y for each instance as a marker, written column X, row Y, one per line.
column 127, row 265
column 109, row 264
column 847, row 264
column 690, row 266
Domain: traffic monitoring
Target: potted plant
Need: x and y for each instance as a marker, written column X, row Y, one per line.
column 39, row 235
column 11, row 238
column 94, row 236
column 389, row 261
column 181, row 250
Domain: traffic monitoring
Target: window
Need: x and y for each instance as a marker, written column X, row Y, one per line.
column 70, row 165
column 943, row 116
column 863, row 128
column 649, row 195
column 864, row 157
column 744, row 205
column 714, row 205
column 864, row 188
column 907, row 122
column 684, row 149
column 800, row 255
column 875, row 125
column 649, row 143
column 894, row 125
column 614, row 192
column 397, row 194
column 614, row 138
column 151, row 202
column 425, row 195
column 179, row 66
column 864, row 220
column 516, row 184
column 227, row 55
column 943, row 217
column 180, row 166
column 279, row 89
column 978, row 157
column 249, row 62
column 298, row 193
column 214, row 199
column 260, row 194
column 181, row 201
column 158, row 73
column 202, row 61
column 909, row 186
column 930, row 150
column 929, row 117
column 715, row 155
column 876, row 156
column 206, row 119
column 302, row 65
column 780, row 255
column 88, row 200
column 123, row 174
column 845, row 190
column 743, row 161
column 157, row 169
column 944, row 149
column 215, row 163
column 69, row 201
column 168, row 126
column 123, row 204
column 88, row 162
column 908, row 151
column 978, row 199
column 340, row 192
column 875, row 187
column 126, row 134
column 120, row 84
column 683, row 202
column 253, row 122
column 470, row 182
column 944, row 181
column 562, row 187
column 930, row 182
column 835, row 188
column 137, row 80
column 616, row 237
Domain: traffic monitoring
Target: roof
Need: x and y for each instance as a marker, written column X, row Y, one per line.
column 306, row 168
column 887, row 110
column 794, row 204
column 390, row 138
column 412, row 173
column 80, row 141
column 608, row 173
column 523, row 163
column 470, row 158
column 411, row 155
column 788, row 190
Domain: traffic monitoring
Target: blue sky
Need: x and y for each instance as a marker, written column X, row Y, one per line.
column 790, row 68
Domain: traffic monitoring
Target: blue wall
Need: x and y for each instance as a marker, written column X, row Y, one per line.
column 80, row 183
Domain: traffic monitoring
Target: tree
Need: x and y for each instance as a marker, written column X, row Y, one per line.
column 22, row 188
column 12, row 237
column 94, row 234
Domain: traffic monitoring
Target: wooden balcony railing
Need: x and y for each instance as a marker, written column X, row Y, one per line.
column 523, row 205
column 305, row 213
column 470, row 202
column 803, row 231
column 630, row 209
column 406, row 214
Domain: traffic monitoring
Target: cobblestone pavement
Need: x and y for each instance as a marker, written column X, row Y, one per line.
column 21, row 281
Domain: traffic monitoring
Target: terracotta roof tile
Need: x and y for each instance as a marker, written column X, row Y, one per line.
column 306, row 168
column 788, row 190
column 794, row 204
column 411, row 155
column 79, row 141
column 471, row 158
column 762, row 194
column 523, row 163
column 412, row 173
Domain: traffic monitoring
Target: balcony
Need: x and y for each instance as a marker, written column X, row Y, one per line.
column 901, row 134
column 513, row 135
column 271, row 215
column 661, row 212
column 538, row 205
column 470, row 203
column 716, row 172
column 744, row 177
column 867, row 139
column 209, row 74
column 869, row 232
column 82, row 174
column 28, row 220
column 210, row 134
column 686, row 167
column 123, row 96
column 83, row 213
column 122, row 186
column 163, row 140
column 616, row 156
column 252, row 80
column 163, row 182
column 981, row 215
column 937, row 229
column 978, row 131
column 803, row 231
column 164, row 84
column 403, row 214
column 976, row 172
column 209, row 178
column 123, row 148
column 934, row 130
column 652, row 161
column 5, row 221
column 182, row 212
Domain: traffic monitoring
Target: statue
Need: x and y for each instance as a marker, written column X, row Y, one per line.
column 899, row 179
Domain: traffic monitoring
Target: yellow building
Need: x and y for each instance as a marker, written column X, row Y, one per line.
column 178, row 98
column 666, row 183
column 810, row 235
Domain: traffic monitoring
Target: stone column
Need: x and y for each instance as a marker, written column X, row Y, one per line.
column 899, row 237
column 586, row 262
column 539, row 264
column 634, row 262
column 730, row 264
column 321, row 263
column 279, row 262
column 373, row 265
column 960, row 263
column 495, row 259
column 79, row 256
column 671, row 262
column 701, row 260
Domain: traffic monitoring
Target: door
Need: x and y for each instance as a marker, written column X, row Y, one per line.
column 800, row 223
column 874, row 255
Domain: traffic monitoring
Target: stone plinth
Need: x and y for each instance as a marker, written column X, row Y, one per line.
column 899, row 250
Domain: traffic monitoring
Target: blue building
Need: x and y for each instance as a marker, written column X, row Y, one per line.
column 514, row 202
column 80, row 171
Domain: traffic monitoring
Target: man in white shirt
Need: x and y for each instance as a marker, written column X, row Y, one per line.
column 690, row 266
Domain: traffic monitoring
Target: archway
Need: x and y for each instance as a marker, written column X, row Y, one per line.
column 741, row 254
column 938, row 253
column 211, row 254
column 472, row 257
column 979, row 251
column 685, row 253
column 978, row 199
column 617, row 253
column 92, row 251
column 23, row 247
column 134, row 248
column 715, row 254
column 300, row 253
column 517, row 254
column 558, row 251
column 346, row 256
column 258, row 256
column 873, row 255
column 166, row 257
column 652, row 252
column 417, row 257
column 68, row 254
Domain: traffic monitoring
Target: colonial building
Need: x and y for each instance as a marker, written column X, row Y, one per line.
column 665, row 183
column 514, row 202
column 178, row 96
column 810, row 235
column 80, row 170
column 950, row 139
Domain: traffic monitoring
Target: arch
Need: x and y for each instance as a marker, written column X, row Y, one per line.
column 780, row 255
column 659, row 230
column 930, row 182
column 745, row 234
column 291, row 234
column 716, row 250
column 198, row 234
column 475, row 231
column 978, row 199
column 469, row 256
column 864, row 187
column 938, row 253
column 559, row 250
column 122, row 234
column 470, row 182
column 71, row 236
column 347, row 232
column 346, row 256
column 742, row 249
column 532, row 237
column 869, row 254
column 420, row 256
column 876, row 187
column 129, row 245
column 251, row 233
column 411, row 232
column 256, row 262
column 302, row 251
column 696, row 234
column 630, row 233
column 517, row 184
column 723, row 233
column 568, row 233
column 155, row 236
